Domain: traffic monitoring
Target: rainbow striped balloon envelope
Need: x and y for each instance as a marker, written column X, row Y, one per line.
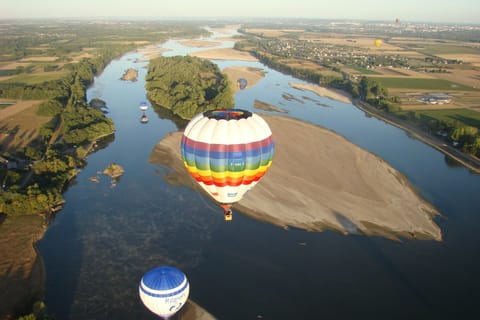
column 227, row 152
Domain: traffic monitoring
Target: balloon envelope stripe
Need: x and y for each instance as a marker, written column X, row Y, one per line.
column 188, row 144
column 225, row 173
column 157, row 294
column 223, row 165
column 227, row 179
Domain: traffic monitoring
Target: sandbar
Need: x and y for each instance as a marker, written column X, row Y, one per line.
column 252, row 75
column 322, row 91
column 224, row 54
column 319, row 180
column 200, row 43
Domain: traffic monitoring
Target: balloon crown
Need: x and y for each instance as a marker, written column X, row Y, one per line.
column 227, row 114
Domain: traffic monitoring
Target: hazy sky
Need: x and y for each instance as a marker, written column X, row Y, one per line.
column 458, row 11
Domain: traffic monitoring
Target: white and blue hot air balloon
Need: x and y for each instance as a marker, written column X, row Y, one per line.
column 164, row 290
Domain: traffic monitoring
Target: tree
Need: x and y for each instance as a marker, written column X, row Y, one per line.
column 187, row 85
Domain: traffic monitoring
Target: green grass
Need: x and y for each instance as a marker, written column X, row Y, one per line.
column 363, row 70
column 422, row 84
column 30, row 79
column 7, row 72
column 464, row 116
column 431, row 49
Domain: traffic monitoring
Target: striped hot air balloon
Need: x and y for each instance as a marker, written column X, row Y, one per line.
column 227, row 152
column 164, row 290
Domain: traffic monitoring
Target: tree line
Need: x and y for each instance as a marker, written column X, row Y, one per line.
column 59, row 149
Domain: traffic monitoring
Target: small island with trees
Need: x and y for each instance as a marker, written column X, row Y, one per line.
column 187, row 85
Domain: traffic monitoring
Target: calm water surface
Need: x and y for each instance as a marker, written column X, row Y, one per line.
column 110, row 234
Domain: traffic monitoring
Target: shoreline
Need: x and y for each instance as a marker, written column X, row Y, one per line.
column 465, row 160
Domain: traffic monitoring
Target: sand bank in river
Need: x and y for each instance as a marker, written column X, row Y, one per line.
column 322, row 91
column 200, row 43
column 224, row 54
column 319, row 180
column 252, row 75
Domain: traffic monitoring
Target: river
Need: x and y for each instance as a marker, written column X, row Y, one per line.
column 110, row 233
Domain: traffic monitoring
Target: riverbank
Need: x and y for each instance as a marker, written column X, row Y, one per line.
column 331, row 184
column 466, row 160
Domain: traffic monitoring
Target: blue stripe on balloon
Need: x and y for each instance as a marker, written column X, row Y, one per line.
column 219, row 154
column 164, row 295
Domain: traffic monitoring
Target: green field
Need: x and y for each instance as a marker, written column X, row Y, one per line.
column 464, row 116
column 422, row 84
column 432, row 49
column 30, row 79
column 7, row 72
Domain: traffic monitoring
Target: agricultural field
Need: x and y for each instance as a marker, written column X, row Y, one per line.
column 35, row 78
column 19, row 124
column 460, row 80
column 273, row 32
column 468, row 117
column 412, row 69
column 423, row 84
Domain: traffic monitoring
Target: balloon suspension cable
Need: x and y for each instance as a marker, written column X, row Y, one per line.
column 206, row 202
column 227, row 208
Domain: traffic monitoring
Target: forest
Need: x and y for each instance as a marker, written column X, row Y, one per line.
column 187, row 85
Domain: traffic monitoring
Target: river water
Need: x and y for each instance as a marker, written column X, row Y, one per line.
column 111, row 232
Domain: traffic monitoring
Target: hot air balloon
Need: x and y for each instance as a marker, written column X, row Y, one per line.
column 227, row 152
column 164, row 290
column 378, row 42
column 143, row 106
column 242, row 83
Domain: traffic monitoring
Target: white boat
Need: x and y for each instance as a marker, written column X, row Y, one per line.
column 143, row 106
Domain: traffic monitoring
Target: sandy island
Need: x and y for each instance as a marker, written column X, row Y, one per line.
column 252, row 75
column 130, row 75
column 322, row 91
column 224, row 54
column 319, row 180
